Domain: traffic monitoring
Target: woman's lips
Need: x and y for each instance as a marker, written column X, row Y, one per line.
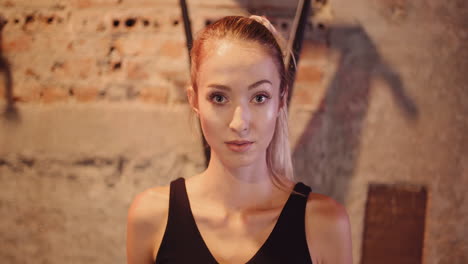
column 239, row 146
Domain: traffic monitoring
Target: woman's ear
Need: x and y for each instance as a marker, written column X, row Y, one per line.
column 192, row 98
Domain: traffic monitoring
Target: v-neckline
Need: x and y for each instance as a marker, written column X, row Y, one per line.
column 205, row 246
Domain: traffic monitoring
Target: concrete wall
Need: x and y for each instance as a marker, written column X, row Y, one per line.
column 95, row 112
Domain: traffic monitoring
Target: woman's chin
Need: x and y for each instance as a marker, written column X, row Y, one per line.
column 233, row 158
column 237, row 161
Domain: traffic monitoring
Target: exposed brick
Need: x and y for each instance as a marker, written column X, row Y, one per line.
column 51, row 94
column 150, row 3
column 89, row 21
column 17, row 43
column 151, row 19
column 31, row 73
column 177, row 77
column 273, row 4
column 35, row 21
column 137, row 70
column 209, row 14
column 46, row 48
column 178, row 94
column 302, row 96
column 75, row 68
column 93, row 3
column 138, row 45
column 314, row 51
column 34, row 4
column 26, row 91
column 309, row 74
column 154, row 94
column 173, row 48
column 86, row 93
column 96, row 45
column 7, row 3
column 219, row 3
column 308, row 94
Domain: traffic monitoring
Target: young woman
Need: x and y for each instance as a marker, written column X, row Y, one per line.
column 245, row 207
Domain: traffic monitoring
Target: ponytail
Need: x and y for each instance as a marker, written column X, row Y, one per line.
column 279, row 152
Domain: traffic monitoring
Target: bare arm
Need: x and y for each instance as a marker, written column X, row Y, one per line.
column 328, row 231
column 140, row 231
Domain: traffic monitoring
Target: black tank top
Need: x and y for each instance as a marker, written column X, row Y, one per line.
column 183, row 243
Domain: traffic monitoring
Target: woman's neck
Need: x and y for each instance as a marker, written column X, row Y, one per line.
column 239, row 189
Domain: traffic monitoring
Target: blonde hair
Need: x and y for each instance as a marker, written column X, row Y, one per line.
column 259, row 30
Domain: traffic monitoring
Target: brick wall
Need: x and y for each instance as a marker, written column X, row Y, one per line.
column 97, row 113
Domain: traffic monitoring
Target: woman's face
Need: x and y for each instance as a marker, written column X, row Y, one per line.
column 238, row 101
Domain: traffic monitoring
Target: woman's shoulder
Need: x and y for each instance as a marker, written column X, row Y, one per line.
column 325, row 214
column 146, row 220
column 150, row 204
column 325, row 206
column 148, row 212
column 328, row 229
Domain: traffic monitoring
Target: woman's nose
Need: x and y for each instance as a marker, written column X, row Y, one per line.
column 240, row 120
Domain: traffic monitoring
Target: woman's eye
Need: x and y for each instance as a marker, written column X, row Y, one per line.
column 218, row 98
column 261, row 98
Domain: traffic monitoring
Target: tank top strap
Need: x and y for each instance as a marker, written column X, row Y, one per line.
column 300, row 187
column 287, row 241
column 178, row 205
column 291, row 222
column 179, row 211
column 180, row 216
column 181, row 234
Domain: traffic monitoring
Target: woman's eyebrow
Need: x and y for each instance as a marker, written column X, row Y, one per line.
column 258, row 83
column 227, row 88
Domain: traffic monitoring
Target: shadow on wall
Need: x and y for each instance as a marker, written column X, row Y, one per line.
column 326, row 153
column 10, row 111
